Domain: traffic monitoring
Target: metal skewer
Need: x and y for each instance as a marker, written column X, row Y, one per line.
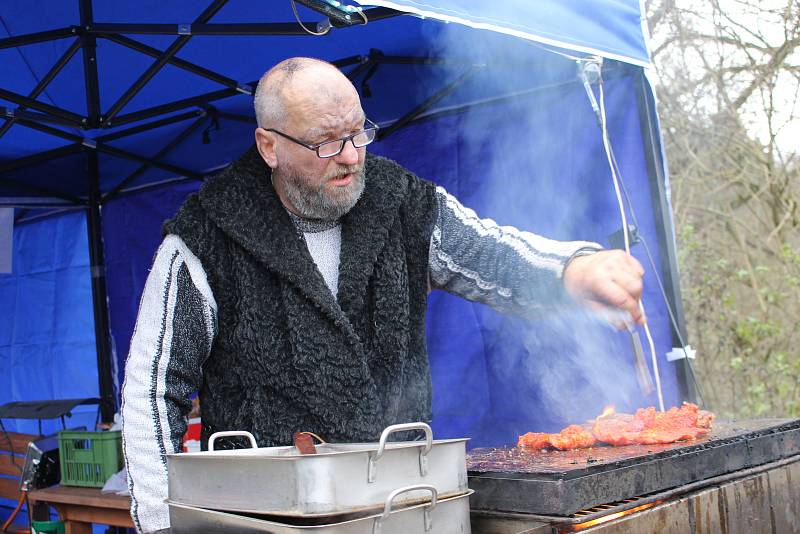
column 614, row 318
column 642, row 372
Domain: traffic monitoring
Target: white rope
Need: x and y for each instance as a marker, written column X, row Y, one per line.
column 360, row 11
column 623, row 216
column 297, row 18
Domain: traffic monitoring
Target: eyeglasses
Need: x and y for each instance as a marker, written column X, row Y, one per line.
column 329, row 149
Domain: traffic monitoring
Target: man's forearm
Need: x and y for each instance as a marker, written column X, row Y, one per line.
column 511, row 270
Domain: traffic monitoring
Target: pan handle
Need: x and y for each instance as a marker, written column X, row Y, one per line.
column 387, row 509
column 372, row 468
column 231, row 433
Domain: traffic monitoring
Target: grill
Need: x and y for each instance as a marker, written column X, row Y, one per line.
column 573, row 487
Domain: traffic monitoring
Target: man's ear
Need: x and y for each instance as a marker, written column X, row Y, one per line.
column 265, row 142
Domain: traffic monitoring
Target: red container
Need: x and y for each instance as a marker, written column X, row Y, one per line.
column 191, row 440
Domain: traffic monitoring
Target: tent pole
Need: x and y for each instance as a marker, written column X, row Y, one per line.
column 181, row 137
column 38, row 37
column 665, row 231
column 162, row 109
column 41, row 157
column 150, row 126
column 422, row 108
column 124, row 154
column 102, row 333
column 71, row 118
column 196, row 28
column 38, row 190
column 177, row 62
column 45, row 81
column 20, row 112
column 159, row 63
column 89, row 49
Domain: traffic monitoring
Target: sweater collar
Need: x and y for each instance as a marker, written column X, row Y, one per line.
column 311, row 226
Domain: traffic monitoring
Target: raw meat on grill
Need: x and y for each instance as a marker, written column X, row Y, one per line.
column 534, row 440
column 572, row 437
column 618, row 429
column 676, row 424
column 647, row 427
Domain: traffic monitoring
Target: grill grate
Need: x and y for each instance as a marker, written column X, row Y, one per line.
column 601, row 510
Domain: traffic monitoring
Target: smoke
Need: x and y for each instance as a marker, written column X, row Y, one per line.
column 533, row 159
column 589, row 372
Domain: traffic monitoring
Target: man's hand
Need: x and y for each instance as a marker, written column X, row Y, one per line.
column 606, row 279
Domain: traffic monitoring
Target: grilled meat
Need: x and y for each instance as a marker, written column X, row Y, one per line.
column 618, row 429
column 676, row 424
column 646, row 427
column 572, row 437
column 534, row 440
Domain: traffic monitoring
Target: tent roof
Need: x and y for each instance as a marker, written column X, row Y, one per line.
column 609, row 28
column 144, row 85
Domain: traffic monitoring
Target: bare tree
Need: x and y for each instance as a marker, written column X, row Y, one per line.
column 728, row 84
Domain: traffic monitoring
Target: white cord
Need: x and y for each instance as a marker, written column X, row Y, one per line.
column 623, row 216
column 297, row 18
column 360, row 11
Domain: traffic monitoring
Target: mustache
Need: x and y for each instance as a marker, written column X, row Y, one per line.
column 343, row 170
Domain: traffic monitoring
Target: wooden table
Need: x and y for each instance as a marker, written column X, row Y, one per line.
column 78, row 508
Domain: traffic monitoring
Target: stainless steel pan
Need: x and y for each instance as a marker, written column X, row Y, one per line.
column 340, row 478
column 442, row 516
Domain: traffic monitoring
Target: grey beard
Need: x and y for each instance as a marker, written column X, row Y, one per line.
column 313, row 203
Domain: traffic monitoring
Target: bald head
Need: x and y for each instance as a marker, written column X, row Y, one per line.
column 298, row 88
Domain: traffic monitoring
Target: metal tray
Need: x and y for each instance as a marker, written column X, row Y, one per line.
column 442, row 516
column 340, row 478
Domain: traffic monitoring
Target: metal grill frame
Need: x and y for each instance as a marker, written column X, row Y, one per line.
column 552, row 495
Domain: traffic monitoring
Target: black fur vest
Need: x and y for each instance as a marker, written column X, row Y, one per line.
column 287, row 356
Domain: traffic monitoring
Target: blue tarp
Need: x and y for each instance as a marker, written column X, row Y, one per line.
column 611, row 29
column 47, row 346
column 6, row 239
column 517, row 141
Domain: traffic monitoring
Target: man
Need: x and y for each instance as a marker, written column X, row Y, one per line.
column 291, row 290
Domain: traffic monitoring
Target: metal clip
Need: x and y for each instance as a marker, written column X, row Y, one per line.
column 184, row 29
column 679, row 353
column 9, row 113
column 245, row 89
column 324, row 26
column 89, row 143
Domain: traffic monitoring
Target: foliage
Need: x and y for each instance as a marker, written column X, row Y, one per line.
column 728, row 79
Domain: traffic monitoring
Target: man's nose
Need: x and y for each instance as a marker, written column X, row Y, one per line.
column 349, row 154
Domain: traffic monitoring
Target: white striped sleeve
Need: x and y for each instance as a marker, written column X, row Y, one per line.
column 172, row 338
column 509, row 269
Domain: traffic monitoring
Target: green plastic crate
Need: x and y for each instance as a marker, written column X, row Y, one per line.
column 88, row 459
column 47, row 527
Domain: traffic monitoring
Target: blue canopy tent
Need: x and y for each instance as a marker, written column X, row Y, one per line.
column 114, row 112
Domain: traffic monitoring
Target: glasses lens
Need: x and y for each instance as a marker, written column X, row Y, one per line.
column 330, row 149
column 364, row 138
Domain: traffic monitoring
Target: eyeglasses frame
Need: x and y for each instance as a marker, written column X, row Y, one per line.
column 344, row 140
